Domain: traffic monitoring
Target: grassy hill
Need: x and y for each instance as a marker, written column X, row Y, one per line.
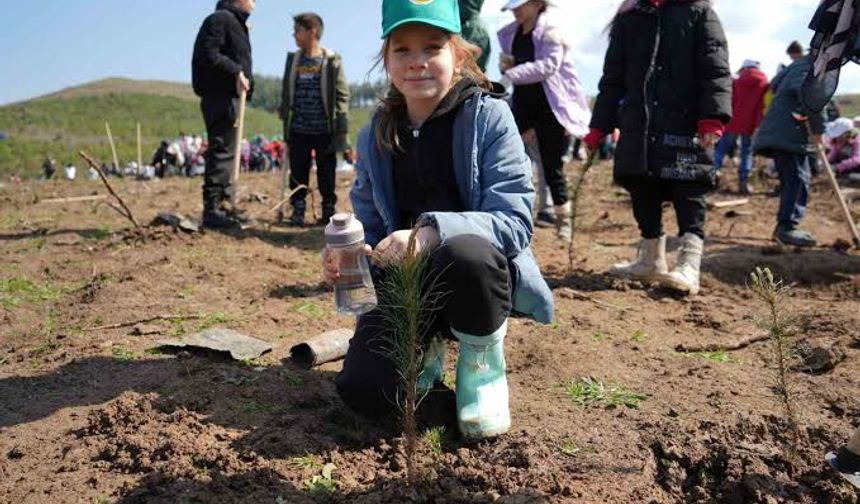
column 73, row 119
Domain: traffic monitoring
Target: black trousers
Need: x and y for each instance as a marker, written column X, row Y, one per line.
column 301, row 145
column 219, row 114
column 553, row 143
column 648, row 195
column 477, row 284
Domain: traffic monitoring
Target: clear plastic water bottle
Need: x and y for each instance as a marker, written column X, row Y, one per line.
column 353, row 290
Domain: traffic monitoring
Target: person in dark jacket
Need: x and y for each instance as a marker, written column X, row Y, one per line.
column 784, row 136
column 666, row 86
column 748, row 92
column 474, row 31
column 221, row 68
column 315, row 110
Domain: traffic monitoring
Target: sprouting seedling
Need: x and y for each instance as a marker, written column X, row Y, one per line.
column 408, row 298
column 781, row 327
column 574, row 206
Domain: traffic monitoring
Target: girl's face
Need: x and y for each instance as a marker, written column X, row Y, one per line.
column 527, row 12
column 421, row 63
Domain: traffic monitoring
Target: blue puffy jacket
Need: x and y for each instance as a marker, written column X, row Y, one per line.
column 494, row 178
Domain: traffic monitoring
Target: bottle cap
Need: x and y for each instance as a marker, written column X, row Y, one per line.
column 343, row 230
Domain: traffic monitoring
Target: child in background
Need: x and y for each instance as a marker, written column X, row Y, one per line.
column 442, row 154
column 670, row 115
column 844, row 150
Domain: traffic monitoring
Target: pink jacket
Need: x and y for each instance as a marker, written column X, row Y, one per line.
column 553, row 68
column 844, row 155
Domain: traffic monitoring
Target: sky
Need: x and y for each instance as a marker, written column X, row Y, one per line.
column 52, row 44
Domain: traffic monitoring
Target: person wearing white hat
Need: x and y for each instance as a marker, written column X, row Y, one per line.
column 748, row 92
column 844, row 151
column 548, row 97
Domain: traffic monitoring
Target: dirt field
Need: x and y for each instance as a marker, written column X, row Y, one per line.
column 105, row 416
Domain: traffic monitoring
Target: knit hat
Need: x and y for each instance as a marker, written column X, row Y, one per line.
column 442, row 14
column 749, row 63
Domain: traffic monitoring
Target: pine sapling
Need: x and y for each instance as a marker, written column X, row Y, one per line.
column 407, row 299
column 781, row 327
column 574, row 206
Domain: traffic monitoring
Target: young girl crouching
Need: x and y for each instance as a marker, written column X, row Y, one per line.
column 443, row 154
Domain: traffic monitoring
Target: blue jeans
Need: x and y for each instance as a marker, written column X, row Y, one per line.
column 794, row 177
column 725, row 145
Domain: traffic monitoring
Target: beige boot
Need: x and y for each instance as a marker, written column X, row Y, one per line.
column 650, row 262
column 685, row 276
column 562, row 222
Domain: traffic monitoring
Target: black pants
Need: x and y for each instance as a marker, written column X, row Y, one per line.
column 648, row 195
column 475, row 279
column 301, row 146
column 553, row 143
column 219, row 114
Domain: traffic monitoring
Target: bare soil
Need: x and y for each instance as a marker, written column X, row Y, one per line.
column 105, row 416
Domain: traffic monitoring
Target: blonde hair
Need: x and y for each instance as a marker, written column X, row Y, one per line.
column 391, row 115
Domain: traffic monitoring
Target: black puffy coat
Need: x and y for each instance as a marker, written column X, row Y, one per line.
column 666, row 68
column 221, row 51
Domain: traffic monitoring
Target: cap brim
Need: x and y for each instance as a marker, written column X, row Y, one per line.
column 448, row 27
column 513, row 4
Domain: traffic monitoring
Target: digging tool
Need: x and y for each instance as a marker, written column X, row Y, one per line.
column 850, row 451
column 285, row 182
column 240, row 134
column 835, row 185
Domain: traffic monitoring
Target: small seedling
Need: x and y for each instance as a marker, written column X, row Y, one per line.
column 571, row 448
column 639, row 336
column 597, row 337
column 434, row 437
column 308, row 461
column 324, row 482
column 781, row 327
column 4, row 361
column 188, row 291
column 590, row 391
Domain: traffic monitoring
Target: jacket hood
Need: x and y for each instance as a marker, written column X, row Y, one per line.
column 227, row 5
column 461, row 92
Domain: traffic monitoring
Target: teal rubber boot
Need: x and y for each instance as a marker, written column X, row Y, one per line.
column 482, row 386
column 433, row 364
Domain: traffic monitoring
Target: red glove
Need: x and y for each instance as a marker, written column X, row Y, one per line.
column 710, row 126
column 593, row 138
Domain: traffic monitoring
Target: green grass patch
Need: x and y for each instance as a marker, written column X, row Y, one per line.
column 96, row 234
column 122, row 353
column 639, row 336
column 570, row 448
column 308, row 461
column 590, row 391
column 15, row 290
column 310, row 309
column 719, row 356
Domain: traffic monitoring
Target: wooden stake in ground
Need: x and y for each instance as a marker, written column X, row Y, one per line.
column 240, row 134
column 835, row 185
column 574, row 206
column 139, row 149
column 285, row 183
column 113, row 193
column 112, row 146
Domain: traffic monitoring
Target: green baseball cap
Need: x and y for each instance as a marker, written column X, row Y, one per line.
column 443, row 14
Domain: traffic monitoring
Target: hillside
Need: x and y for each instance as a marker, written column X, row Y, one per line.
column 62, row 123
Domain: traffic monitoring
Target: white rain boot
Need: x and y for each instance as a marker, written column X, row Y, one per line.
column 650, row 263
column 482, row 387
column 562, row 222
column 685, row 276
